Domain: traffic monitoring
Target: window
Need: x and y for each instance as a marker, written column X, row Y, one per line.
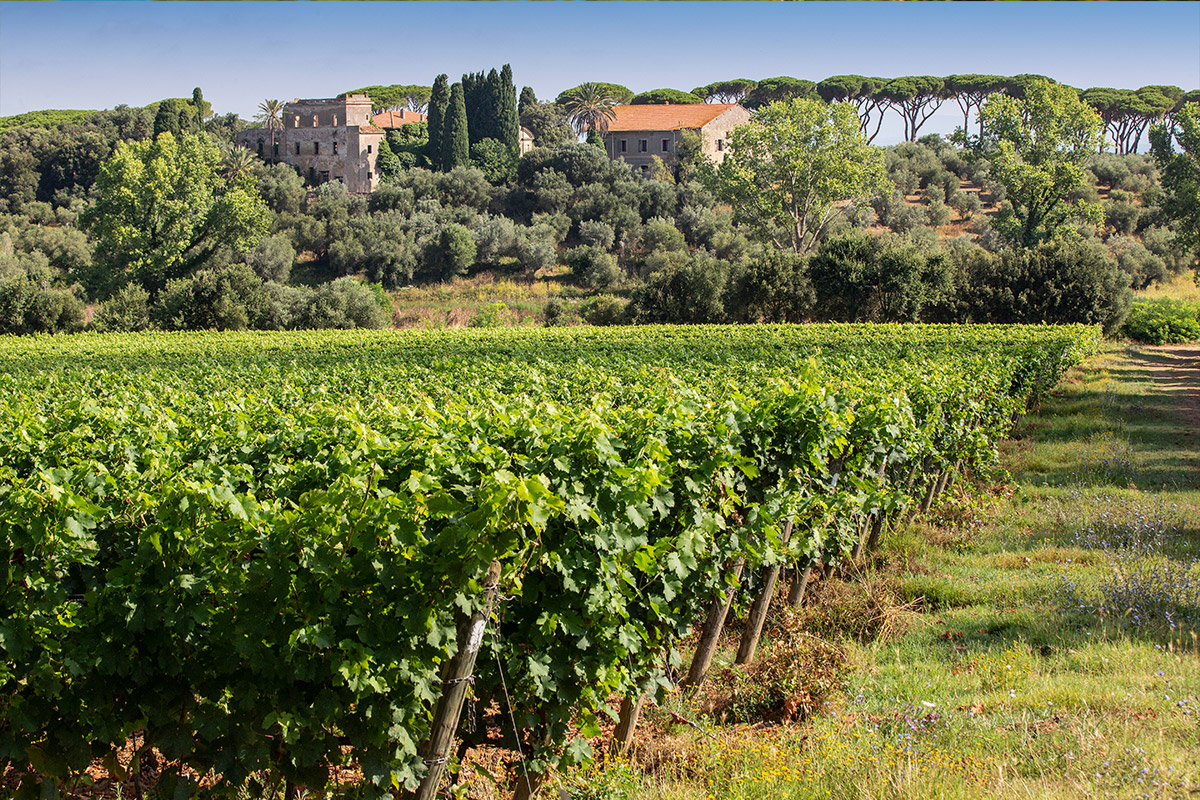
column 666, row 145
column 276, row 149
column 335, row 148
column 642, row 145
column 316, row 148
column 296, row 121
column 314, row 120
column 624, row 143
column 260, row 148
column 335, row 120
column 324, row 176
column 720, row 144
column 368, row 149
column 297, row 148
column 368, row 176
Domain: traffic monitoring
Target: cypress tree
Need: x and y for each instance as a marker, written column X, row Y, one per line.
column 528, row 98
column 509, row 122
column 456, row 148
column 439, row 102
column 166, row 120
column 198, row 102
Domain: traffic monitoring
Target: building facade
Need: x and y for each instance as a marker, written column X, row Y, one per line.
column 641, row 132
column 327, row 140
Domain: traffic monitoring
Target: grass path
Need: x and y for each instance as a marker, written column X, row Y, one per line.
column 1020, row 671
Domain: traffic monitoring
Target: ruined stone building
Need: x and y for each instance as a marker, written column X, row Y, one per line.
column 641, row 132
column 327, row 140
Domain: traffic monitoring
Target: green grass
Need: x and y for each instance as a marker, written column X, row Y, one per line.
column 996, row 689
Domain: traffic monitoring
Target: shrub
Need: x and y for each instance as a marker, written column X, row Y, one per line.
column 1058, row 282
column 967, row 204
column 939, row 213
column 31, row 305
column 272, row 258
column 605, row 309
column 594, row 233
column 346, row 303
column 223, row 298
column 596, row 268
column 451, row 253
column 494, row 315
column 1122, row 216
column 690, row 292
column 557, row 312
column 1142, row 266
column 492, row 158
column 1163, row 322
column 127, row 310
column 773, row 288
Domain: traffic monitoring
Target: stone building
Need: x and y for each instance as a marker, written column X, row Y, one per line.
column 327, row 140
column 641, row 132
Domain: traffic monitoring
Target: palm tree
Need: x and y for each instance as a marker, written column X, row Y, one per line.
column 589, row 107
column 236, row 163
column 271, row 112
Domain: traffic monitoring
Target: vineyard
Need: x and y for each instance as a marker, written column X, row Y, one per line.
column 279, row 553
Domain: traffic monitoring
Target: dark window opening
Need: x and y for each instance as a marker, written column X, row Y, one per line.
column 624, row 144
column 335, row 148
column 297, row 148
column 720, row 144
column 642, row 145
column 368, row 149
column 316, row 148
column 275, row 148
column 260, row 148
column 666, row 145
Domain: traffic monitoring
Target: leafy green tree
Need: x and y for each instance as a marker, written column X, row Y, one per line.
column 201, row 109
column 162, row 210
column 730, row 91
column 1039, row 148
column 772, row 288
column 548, row 124
column 860, row 92
column 589, row 107
column 787, row 167
column 395, row 96
column 1180, row 169
column 858, row 277
column 439, row 104
column 166, row 119
column 659, row 97
column 451, row 253
column 387, row 164
column 497, row 162
column 778, row 90
column 456, row 150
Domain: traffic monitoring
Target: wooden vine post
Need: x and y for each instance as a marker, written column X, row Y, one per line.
column 758, row 612
column 710, row 632
column 456, row 676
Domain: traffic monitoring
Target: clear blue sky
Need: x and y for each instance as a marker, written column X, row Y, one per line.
column 100, row 54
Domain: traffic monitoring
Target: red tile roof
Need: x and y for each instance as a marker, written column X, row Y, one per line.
column 394, row 119
column 666, row 117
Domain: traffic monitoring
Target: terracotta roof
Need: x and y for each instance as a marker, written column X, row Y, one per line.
column 394, row 119
column 370, row 129
column 666, row 117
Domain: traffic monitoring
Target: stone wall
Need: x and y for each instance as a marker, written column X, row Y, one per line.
column 325, row 140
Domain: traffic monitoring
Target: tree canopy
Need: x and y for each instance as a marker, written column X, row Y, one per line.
column 1039, row 147
column 787, row 167
column 162, row 210
column 658, row 97
column 621, row 94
